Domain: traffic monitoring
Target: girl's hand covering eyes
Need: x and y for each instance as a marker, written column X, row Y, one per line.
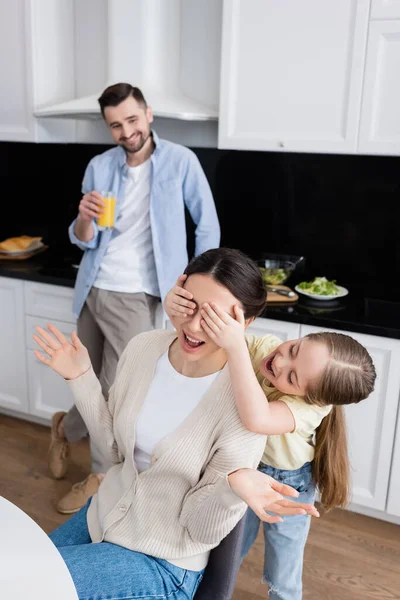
column 177, row 302
column 224, row 330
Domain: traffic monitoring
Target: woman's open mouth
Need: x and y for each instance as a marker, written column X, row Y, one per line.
column 191, row 343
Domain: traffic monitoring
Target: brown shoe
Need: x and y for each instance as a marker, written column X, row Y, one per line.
column 58, row 450
column 79, row 494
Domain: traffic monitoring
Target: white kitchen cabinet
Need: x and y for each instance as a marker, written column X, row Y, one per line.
column 32, row 322
column 291, row 74
column 385, row 9
column 36, row 37
column 16, row 116
column 380, row 116
column 393, row 504
column 13, row 384
column 48, row 392
column 26, row 385
column 371, row 424
column 49, row 301
column 44, row 303
column 284, row 331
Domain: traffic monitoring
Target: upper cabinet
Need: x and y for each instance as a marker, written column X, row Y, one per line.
column 292, row 74
column 305, row 76
column 16, row 118
column 385, row 9
column 35, row 41
column 380, row 118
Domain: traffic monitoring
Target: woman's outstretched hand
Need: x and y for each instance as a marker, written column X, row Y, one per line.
column 70, row 359
column 263, row 493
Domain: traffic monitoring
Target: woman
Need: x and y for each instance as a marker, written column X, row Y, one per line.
column 181, row 457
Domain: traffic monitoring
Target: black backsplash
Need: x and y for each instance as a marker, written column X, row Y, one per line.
column 341, row 212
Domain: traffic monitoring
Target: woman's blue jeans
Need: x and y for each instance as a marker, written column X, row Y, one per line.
column 104, row 571
column 284, row 542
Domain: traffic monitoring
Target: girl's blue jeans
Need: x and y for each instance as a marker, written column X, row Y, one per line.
column 284, row 542
column 105, row 571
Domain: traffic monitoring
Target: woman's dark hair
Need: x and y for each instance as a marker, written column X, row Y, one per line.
column 117, row 93
column 235, row 271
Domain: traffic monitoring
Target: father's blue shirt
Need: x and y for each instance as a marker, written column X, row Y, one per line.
column 177, row 180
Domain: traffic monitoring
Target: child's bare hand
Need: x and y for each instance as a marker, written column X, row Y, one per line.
column 177, row 302
column 224, row 330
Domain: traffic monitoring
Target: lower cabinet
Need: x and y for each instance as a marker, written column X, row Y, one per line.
column 371, row 426
column 282, row 330
column 393, row 504
column 48, row 392
column 28, row 387
column 13, row 383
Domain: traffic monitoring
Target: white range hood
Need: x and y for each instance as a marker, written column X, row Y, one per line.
column 168, row 48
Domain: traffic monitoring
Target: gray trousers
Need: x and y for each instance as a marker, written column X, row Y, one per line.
column 108, row 321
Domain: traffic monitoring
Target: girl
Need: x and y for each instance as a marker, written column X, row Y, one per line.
column 181, row 458
column 306, row 381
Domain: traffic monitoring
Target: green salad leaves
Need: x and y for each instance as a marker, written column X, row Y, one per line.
column 320, row 286
column 274, row 276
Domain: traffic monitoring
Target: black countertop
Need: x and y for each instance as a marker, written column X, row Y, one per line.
column 373, row 312
column 47, row 267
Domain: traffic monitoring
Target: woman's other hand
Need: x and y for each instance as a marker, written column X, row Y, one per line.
column 177, row 302
column 224, row 330
column 68, row 359
column 263, row 493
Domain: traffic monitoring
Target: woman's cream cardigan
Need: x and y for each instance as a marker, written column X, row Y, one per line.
column 182, row 506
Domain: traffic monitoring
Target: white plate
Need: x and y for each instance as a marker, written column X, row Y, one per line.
column 33, row 246
column 342, row 292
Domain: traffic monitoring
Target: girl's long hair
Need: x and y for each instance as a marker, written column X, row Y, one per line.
column 348, row 378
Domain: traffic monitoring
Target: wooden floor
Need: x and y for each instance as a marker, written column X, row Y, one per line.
column 348, row 556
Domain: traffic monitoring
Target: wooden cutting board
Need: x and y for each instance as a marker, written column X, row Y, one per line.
column 274, row 297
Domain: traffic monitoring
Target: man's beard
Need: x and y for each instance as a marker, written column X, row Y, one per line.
column 141, row 143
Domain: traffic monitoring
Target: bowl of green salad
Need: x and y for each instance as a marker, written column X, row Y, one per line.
column 321, row 288
column 277, row 268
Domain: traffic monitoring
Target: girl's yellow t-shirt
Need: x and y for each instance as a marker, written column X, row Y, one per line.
column 288, row 451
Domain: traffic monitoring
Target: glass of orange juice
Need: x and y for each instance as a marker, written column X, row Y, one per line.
column 106, row 220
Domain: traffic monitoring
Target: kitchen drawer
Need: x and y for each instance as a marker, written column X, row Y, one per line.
column 49, row 301
column 32, row 322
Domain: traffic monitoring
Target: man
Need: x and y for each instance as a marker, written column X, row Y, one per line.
column 126, row 270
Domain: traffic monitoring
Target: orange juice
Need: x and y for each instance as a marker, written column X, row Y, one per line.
column 107, row 218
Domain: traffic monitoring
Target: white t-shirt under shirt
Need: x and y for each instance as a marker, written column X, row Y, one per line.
column 128, row 264
column 170, row 399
